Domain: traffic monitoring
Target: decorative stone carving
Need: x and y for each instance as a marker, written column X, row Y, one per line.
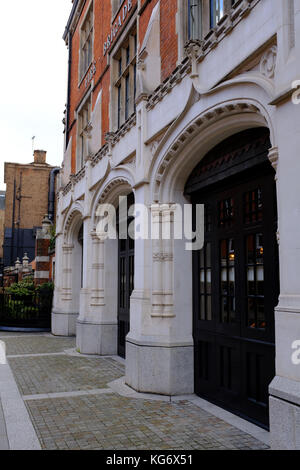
column 273, row 157
column 112, row 184
column 99, row 155
column 193, row 49
column 157, row 257
column 193, row 129
column 268, row 62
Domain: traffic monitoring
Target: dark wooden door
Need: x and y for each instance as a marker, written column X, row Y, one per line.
column 126, row 284
column 236, row 289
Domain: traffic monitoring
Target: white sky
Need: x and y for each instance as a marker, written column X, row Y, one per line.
column 33, row 79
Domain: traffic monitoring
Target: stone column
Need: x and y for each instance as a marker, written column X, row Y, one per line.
column 285, row 388
column 168, row 267
column 157, row 291
column 85, row 291
column 63, row 315
column 96, row 329
column 97, row 276
column 159, row 346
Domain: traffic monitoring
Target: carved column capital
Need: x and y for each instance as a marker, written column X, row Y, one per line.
column 273, row 157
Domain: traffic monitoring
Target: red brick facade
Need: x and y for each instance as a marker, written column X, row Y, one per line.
column 99, row 72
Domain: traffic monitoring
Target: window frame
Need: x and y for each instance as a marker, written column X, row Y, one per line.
column 86, row 40
column 214, row 19
column 124, row 79
column 197, row 34
column 82, row 126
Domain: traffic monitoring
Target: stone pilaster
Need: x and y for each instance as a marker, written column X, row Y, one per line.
column 63, row 315
column 96, row 330
column 285, row 388
column 159, row 346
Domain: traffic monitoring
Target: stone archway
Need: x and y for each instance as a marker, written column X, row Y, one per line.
column 177, row 158
column 68, row 280
column 97, row 326
column 167, row 334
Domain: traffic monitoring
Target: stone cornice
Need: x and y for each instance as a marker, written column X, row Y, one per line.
column 73, row 18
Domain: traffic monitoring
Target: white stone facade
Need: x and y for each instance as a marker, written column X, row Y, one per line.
column 239, row 78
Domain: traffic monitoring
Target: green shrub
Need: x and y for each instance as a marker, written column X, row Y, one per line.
column 24, row 300
column 21, row 288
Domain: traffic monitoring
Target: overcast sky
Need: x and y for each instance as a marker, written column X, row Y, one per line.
column 33, row 80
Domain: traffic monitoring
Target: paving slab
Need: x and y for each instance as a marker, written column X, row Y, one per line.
column 18, row 426
column 35, row 344
column 55, row 398
column 62, row 373
column 115, row 422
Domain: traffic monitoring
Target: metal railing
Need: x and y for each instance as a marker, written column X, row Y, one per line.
column 26, row 311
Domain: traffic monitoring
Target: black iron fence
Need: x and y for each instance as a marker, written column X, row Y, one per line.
column 26, row 311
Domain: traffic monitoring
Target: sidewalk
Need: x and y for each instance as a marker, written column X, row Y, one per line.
column 54, row 398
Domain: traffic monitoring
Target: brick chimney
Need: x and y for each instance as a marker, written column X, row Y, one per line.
column 40, row 156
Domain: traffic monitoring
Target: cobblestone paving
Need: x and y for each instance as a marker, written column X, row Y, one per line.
column 50, row 374
column 103, row 420
column 36, row 344
column 115, row 422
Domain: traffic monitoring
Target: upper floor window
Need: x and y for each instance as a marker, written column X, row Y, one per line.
column 194, row 19
column 86, row 42
column 218, row 8
column 83, row 119
column 124, row 72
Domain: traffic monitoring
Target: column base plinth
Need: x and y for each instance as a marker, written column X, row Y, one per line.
column 284, row 414
column 96, row 338
column 158, row 368
column 63, row 324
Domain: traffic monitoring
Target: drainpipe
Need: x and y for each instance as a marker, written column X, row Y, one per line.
column 51, row 194
column 13, row 227
column 69, row 88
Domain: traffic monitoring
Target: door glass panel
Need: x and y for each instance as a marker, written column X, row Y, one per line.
column 202, row 308
column 227, row 269
column 226, row 212
column 202, row 281
column 208, row 281
column 253, row 206
column 122, row 282
column 205, row 290
column 131, row 274
column 255, row 281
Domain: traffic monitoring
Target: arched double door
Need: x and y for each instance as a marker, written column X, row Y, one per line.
column 235, row 275
column 125, row 279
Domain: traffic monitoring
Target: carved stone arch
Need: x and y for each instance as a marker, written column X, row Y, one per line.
column 72, row 220
column 198, row 137
column 109, row 193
